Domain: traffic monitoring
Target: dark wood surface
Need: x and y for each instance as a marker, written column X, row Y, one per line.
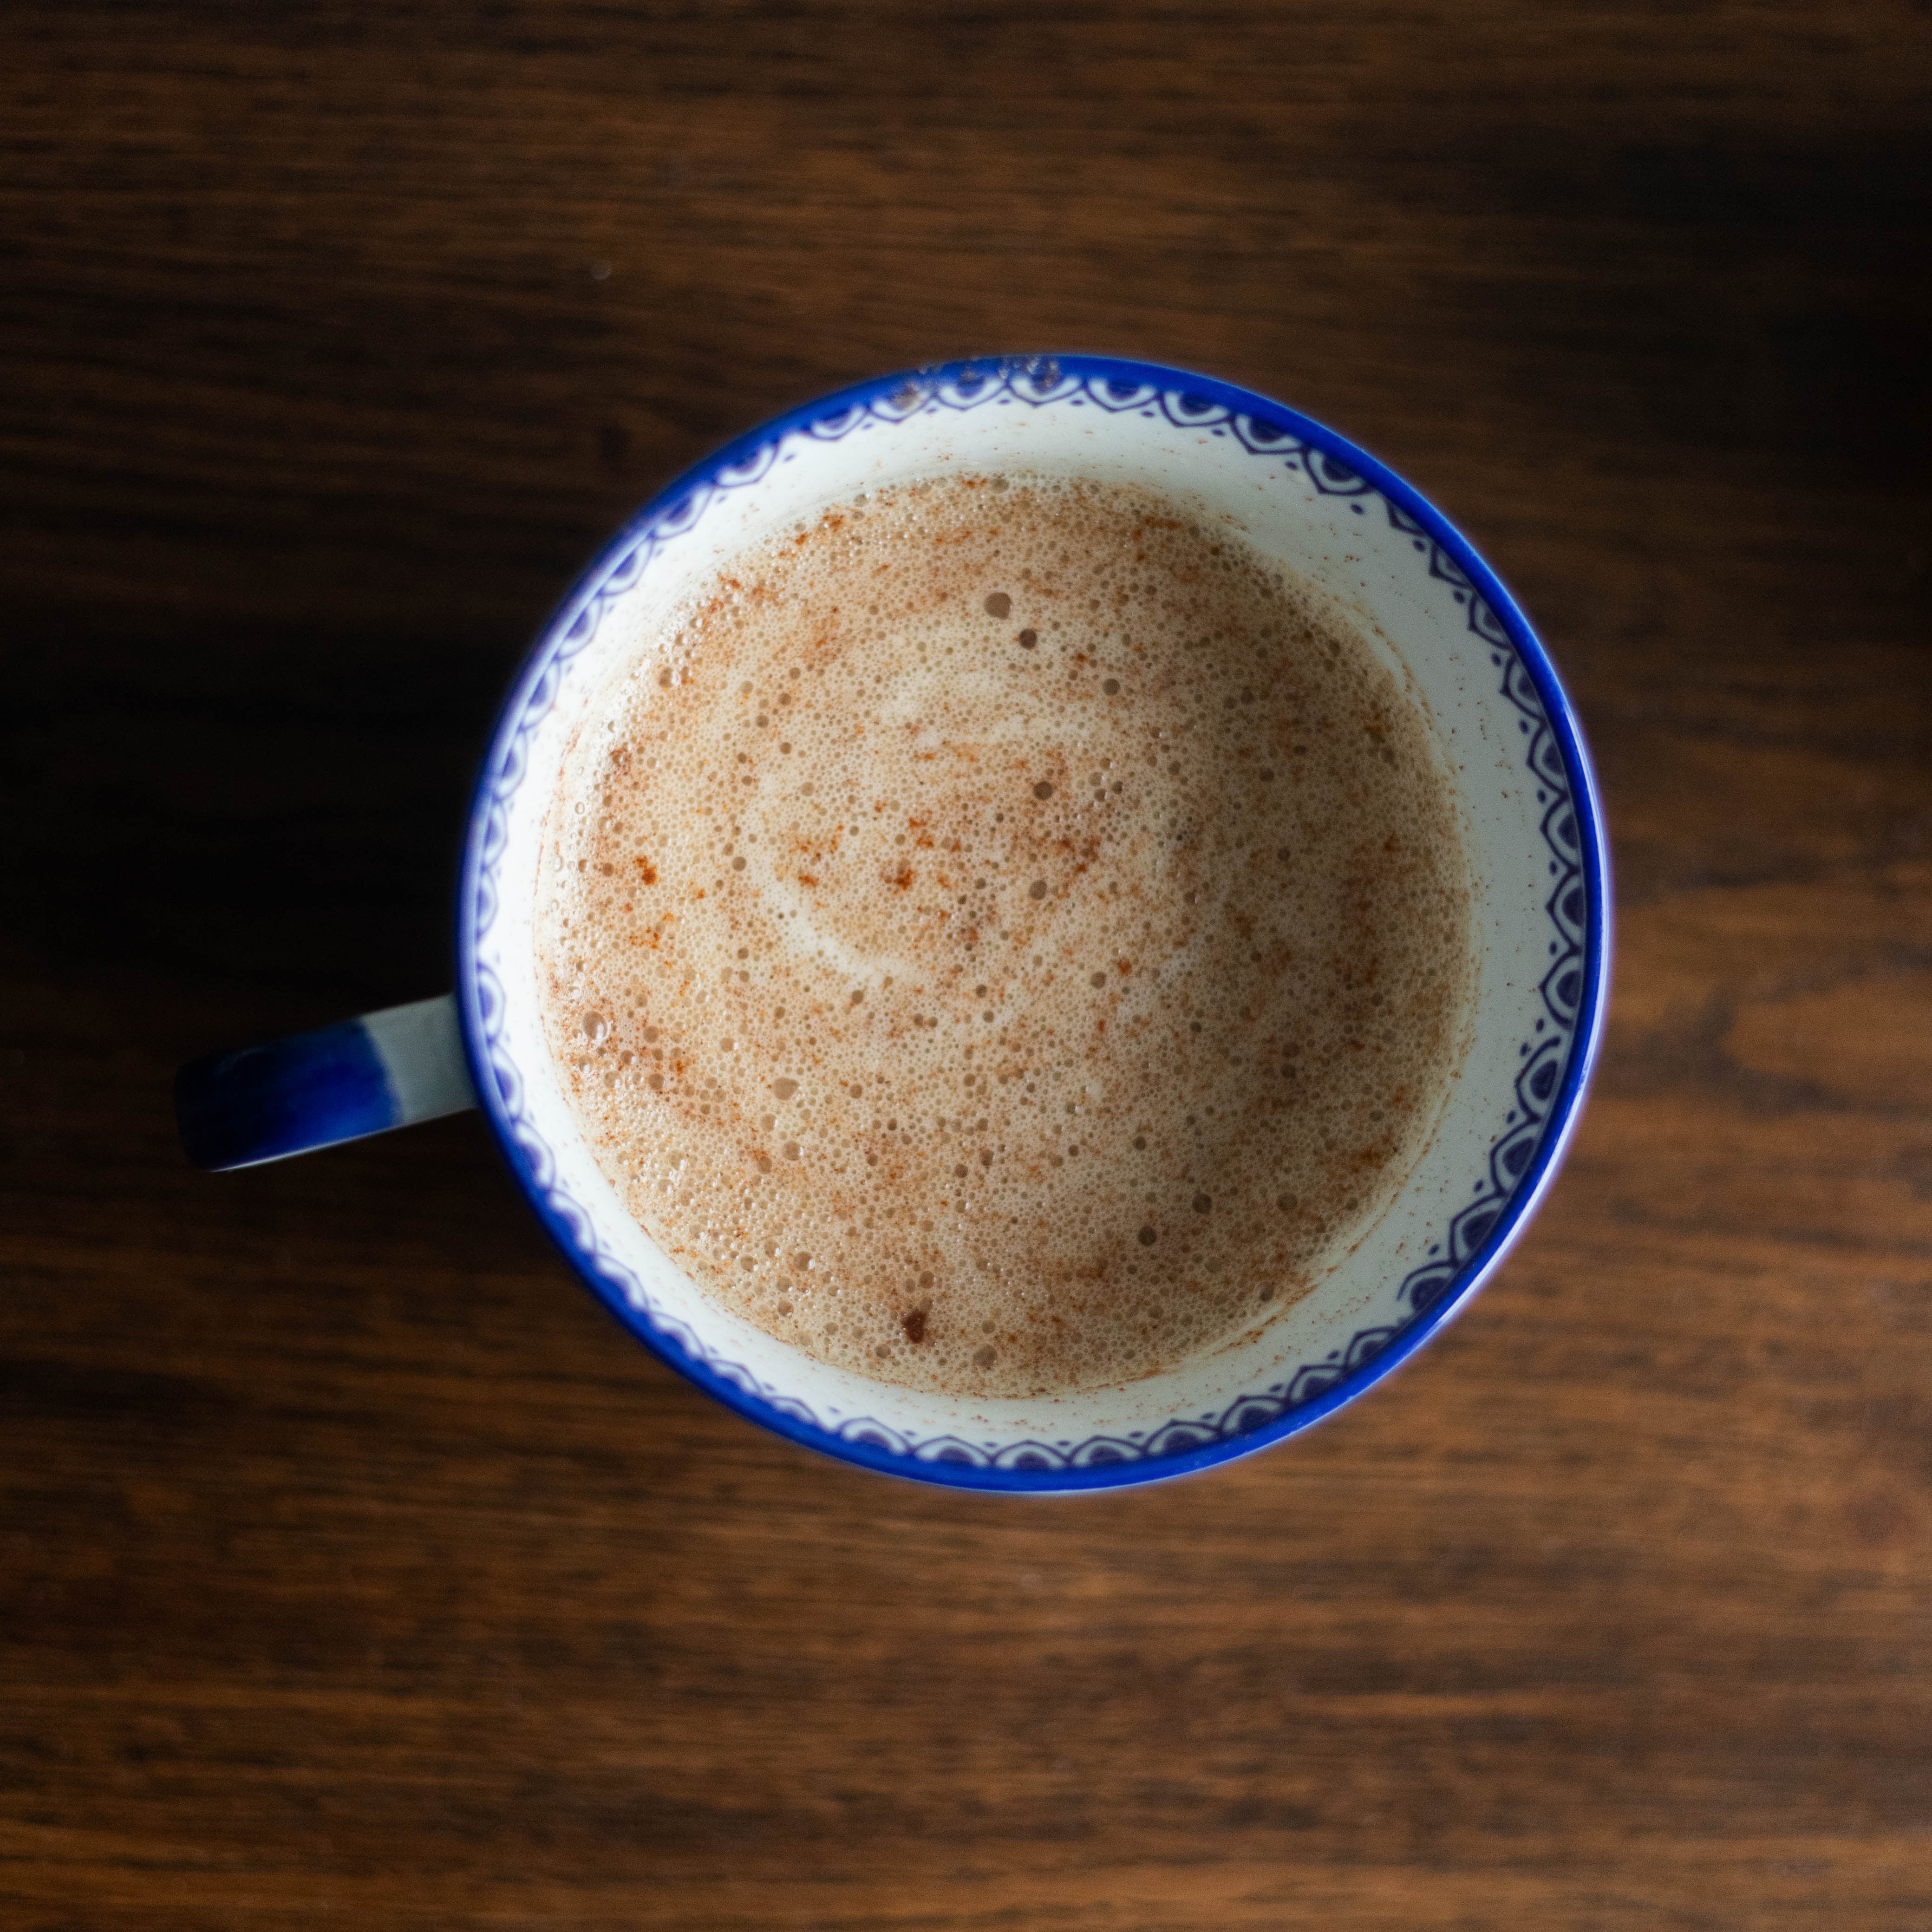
column 355, row 1569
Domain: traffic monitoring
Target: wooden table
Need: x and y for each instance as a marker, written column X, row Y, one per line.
column 358, row 1570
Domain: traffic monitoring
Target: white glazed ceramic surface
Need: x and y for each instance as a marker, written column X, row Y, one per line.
column 1299, row 494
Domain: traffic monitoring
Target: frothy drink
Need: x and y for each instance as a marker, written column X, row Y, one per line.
column 1006, row 936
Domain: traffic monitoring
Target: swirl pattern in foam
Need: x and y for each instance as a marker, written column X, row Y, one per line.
column 1006, row 936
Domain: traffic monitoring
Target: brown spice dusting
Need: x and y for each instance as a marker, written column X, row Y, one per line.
column 882, row 1086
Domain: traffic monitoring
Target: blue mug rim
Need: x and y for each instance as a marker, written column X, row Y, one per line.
column 1566, row 1105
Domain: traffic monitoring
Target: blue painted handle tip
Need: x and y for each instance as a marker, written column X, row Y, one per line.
column 314, row 1090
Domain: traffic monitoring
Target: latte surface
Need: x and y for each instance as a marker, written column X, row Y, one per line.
column 1006, row 936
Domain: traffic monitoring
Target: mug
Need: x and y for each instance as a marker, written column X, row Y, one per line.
column 1534, row 830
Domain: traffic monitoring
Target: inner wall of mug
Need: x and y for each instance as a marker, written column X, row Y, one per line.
column 1296, row 506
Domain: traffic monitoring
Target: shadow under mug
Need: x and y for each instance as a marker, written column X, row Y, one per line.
column 1303, row 495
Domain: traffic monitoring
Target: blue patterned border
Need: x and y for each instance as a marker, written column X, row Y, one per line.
column 1556, row 1061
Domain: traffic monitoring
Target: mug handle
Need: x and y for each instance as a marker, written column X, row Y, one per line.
column 340, row 1083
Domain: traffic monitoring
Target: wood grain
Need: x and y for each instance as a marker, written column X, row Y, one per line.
column 354, row 1567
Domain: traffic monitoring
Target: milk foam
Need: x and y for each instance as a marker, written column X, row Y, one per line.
column 1006, row 936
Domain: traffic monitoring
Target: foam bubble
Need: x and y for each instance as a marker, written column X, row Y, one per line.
column 1005, row 936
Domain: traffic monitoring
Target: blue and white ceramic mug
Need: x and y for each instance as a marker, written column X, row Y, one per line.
column 1533, row 824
